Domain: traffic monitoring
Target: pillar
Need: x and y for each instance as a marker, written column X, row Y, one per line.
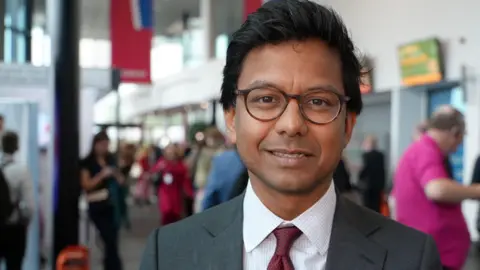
column 207, row 8
column 64, row 32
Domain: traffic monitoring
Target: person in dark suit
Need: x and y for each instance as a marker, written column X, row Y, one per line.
column 341, row 178
column 291, row 96
column 372, row 175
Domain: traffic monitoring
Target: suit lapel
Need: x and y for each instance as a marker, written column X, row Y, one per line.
column 350, row 248
column 225, row 248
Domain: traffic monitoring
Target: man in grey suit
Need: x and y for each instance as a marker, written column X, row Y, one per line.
column 291, row 96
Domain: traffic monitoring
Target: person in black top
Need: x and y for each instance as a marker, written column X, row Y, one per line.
column 372, row 176
column 98, row 175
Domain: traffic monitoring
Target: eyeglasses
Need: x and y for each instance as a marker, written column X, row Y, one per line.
column 319, row 107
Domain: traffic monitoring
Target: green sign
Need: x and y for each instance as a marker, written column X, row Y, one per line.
column 420, row 62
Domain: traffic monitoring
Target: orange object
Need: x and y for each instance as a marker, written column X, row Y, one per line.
column 73, row 258
column 384, row 208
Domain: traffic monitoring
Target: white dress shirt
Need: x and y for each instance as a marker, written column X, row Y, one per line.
column 308, row 252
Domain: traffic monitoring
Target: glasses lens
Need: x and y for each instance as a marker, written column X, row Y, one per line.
column 321, row 106
column 265, row 104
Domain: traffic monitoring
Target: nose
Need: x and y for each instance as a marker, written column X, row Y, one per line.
column 291, row 123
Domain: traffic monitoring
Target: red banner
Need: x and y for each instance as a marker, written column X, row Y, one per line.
column 131, row 31
column 250, row 6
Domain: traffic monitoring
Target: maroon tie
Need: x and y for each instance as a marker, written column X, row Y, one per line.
column 285, row 238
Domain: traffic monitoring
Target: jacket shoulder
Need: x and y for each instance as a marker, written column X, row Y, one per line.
column 403, row 244
column 193, row 229
column 384, row 225
column 166, row 246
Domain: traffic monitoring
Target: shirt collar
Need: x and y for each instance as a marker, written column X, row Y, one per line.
column 432, row 143
column 315, row 223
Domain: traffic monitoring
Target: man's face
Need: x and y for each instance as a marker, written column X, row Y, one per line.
column 454, row 140
column 270, row 148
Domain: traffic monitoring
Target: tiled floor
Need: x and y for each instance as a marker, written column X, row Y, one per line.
column 145, row 219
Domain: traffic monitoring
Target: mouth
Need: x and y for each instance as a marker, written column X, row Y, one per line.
column 290, row 153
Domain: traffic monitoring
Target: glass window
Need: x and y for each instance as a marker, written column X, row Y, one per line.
column 95, row 53
column 166, row 59
column 20, row 45
column 221, row 45
column 16, row 34
column 87, row 49
column 37, row 46
column 8, row 46
column 21, row 16
column 47, row 52
column 103, row 54
column 7, row 20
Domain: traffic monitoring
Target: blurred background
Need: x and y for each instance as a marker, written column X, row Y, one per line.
column 147, row 73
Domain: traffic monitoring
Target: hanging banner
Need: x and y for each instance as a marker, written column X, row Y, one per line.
column 250, row 6
column 131, row 31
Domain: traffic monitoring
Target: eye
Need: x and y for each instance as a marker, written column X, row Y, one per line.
column 317, row 101
column 266, row 99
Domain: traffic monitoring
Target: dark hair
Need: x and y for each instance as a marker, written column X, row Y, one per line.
column 1, row 117
column 99, row 137
column 285, row 20
column 10, row 142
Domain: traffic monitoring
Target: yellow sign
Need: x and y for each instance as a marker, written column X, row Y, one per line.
column 420, row 63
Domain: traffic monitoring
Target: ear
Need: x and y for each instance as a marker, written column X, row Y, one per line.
column 230, row 124
column 350, row 121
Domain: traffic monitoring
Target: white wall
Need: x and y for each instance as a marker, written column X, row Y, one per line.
column 378, row 28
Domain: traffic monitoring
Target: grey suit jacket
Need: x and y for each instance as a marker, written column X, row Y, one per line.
column 360, row 240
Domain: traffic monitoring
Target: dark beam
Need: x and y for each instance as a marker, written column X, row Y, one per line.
column 65, row 62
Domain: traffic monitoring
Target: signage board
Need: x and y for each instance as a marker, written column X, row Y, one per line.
column 421, row 62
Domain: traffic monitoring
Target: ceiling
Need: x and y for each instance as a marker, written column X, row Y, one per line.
column 168, row 14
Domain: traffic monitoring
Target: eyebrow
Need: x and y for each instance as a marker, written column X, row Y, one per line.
column 262, row 83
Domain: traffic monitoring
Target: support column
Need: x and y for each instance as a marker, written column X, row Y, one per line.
column 64, row 31
column 207, row 8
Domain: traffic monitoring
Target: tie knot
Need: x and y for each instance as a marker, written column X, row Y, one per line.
column 285, row 238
